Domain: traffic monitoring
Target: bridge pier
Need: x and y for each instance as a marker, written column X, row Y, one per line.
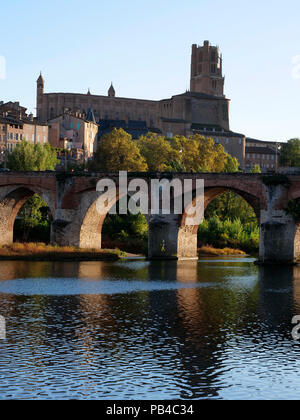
column 279, row 233
column 169, row 240
column 6, row 227
column 279, row 239
column 70, row 231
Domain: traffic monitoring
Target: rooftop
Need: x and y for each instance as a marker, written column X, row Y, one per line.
column 261, row 150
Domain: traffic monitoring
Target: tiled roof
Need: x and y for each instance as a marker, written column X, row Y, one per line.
column 199, row 95
column 261, row 150
column 90, row 116
column 174, row 120
column 214, row 130
column 16, row 121
column 273, row 143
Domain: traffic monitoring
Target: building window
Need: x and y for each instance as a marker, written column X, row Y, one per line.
column 213, row 68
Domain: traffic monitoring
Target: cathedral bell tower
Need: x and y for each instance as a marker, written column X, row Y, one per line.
column 39, row 97
column 206, row 70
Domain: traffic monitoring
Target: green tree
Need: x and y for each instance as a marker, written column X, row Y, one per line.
column 256, row 170
column 212, row 156
column 29, row 157
column 45, row 157
column 290, row 153
column 200, row 154
column 34, row 221
column 188, row 156
column 231, row 206
column 158, row 153
column 118, row 152
column 232, row 165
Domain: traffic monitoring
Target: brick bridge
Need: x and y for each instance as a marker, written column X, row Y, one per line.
column 72, row 200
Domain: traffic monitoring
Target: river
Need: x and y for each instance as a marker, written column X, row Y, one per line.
column 139, row 330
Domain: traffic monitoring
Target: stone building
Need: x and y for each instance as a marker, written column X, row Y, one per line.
column 16, row 125
column 266, row 154
column 74, row 133
column 171, row 116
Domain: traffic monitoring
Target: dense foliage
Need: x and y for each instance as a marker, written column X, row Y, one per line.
column 229, row 233
column 32, row 157
column 117, row 151
column 290, row 153
column 33, row 221
column 127, row 232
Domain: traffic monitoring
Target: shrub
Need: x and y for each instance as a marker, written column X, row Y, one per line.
column 229, row 233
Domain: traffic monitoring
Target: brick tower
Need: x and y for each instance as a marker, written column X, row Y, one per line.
column 39, row 97
column 206, row 70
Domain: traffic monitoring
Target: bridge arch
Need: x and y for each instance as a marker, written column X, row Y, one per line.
column 83, row 226
column 184, row 236
column 12, row 199
column 210, row 193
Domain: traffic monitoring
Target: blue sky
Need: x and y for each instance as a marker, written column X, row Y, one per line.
column 144, row 47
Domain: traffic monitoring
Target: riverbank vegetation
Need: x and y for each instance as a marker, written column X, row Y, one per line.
column 230, row 222
column 209, row 251
column 41, row 251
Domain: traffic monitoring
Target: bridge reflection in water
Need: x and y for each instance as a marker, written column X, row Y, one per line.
column 138, row 329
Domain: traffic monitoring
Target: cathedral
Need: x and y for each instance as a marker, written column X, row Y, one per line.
column 204, row 108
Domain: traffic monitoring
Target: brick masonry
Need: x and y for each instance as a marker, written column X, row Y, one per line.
column 72, row 201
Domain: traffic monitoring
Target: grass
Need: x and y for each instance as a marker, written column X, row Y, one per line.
column 41, row 251
column 211, row 251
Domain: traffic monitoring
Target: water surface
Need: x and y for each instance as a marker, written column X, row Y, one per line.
column 217, row 329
